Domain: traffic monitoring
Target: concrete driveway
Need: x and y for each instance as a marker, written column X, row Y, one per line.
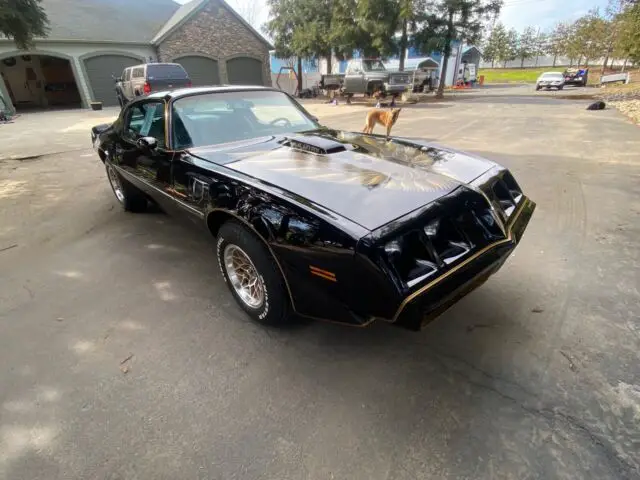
column 123, row 356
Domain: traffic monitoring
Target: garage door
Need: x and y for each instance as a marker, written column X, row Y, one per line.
column 244, row 71
column 201, row 70
column 99, row 71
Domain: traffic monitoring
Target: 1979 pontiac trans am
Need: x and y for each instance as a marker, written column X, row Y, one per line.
column 314, row 221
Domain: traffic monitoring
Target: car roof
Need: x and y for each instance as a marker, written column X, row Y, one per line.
column 185, row 92
column 152, row 63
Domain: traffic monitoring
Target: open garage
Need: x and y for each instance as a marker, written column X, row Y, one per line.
column 101, row 70
column 37, row 82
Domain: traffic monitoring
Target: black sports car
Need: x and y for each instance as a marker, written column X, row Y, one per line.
column 323, row 223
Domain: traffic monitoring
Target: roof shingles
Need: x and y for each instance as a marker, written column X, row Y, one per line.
column 126, row 21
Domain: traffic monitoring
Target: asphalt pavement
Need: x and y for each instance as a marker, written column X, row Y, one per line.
column 123, row 356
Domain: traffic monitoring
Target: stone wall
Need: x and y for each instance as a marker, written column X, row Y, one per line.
column 215, row 32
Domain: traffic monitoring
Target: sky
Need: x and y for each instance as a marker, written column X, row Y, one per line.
column 516, row 14
column 545, row 14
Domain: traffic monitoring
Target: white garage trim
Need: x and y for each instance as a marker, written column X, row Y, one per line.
column 196, row 54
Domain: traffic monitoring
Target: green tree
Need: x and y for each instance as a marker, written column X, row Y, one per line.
column 489, row 47
column 627, row 42
column 497, row 47
column 509, row 50
column 540, row 45
column 366, row 25
column 526, row 45
column 594, row 36
column 558, row 41
column 612, row 16
column 379, row 21
column 300, row 28
column 346, row 34
column 22, row 21
column 446, row 21
column 410, row 14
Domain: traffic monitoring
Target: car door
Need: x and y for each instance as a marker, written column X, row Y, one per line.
column 197, row 183
column 354, row 77
column 147, row 168
column 137, row 81
column 126, row 84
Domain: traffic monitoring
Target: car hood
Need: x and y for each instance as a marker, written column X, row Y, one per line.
column 363, row 178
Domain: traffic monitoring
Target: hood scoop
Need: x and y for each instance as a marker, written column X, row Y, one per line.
column 314, row 144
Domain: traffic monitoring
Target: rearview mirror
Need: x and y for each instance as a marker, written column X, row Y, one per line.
column 147, row 143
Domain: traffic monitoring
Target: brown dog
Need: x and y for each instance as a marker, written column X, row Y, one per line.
column 387, row 118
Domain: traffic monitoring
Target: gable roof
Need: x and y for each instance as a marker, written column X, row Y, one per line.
column 117, row 21
column 188, row 10
column 469, row 48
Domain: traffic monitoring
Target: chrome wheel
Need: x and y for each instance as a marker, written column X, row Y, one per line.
column 243, row 276
column 116, row 185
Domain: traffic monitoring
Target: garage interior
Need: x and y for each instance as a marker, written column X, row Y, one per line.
column 40, row 82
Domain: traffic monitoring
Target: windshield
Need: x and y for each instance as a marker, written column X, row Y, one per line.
column 373, row 66
column 214, row 118
column 168, row 71
column 551, row 75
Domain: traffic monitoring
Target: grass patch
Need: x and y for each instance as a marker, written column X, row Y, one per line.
column 515, row 75
column 530, row 75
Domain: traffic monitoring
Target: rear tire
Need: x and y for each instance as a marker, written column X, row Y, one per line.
column 129, row 197
column 252, row 274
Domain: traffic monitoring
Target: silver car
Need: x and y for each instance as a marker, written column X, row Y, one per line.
column 550, row 80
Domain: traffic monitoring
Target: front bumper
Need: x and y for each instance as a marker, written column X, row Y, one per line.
column 434, row 298
column 396, row 88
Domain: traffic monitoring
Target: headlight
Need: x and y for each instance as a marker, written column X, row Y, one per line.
column 431, row 229
column 393, row 248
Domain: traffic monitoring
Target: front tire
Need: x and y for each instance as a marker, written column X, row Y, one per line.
column 129, row 197
column 252, row 274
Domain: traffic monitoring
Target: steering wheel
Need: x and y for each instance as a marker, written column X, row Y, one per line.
column 284, row 121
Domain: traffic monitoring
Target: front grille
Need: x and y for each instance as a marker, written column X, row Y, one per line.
column 398, row 80
column 438, row 240
column 504, row 193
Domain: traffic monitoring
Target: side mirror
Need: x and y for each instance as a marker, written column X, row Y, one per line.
column 147, row 143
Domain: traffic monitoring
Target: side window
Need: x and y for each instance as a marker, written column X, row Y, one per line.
column 355, row 68
column 138, row 72
column 146, row 120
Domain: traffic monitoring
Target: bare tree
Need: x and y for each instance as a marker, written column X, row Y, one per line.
column 248, row 9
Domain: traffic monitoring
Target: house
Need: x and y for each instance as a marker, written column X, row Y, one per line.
column 92, row 41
